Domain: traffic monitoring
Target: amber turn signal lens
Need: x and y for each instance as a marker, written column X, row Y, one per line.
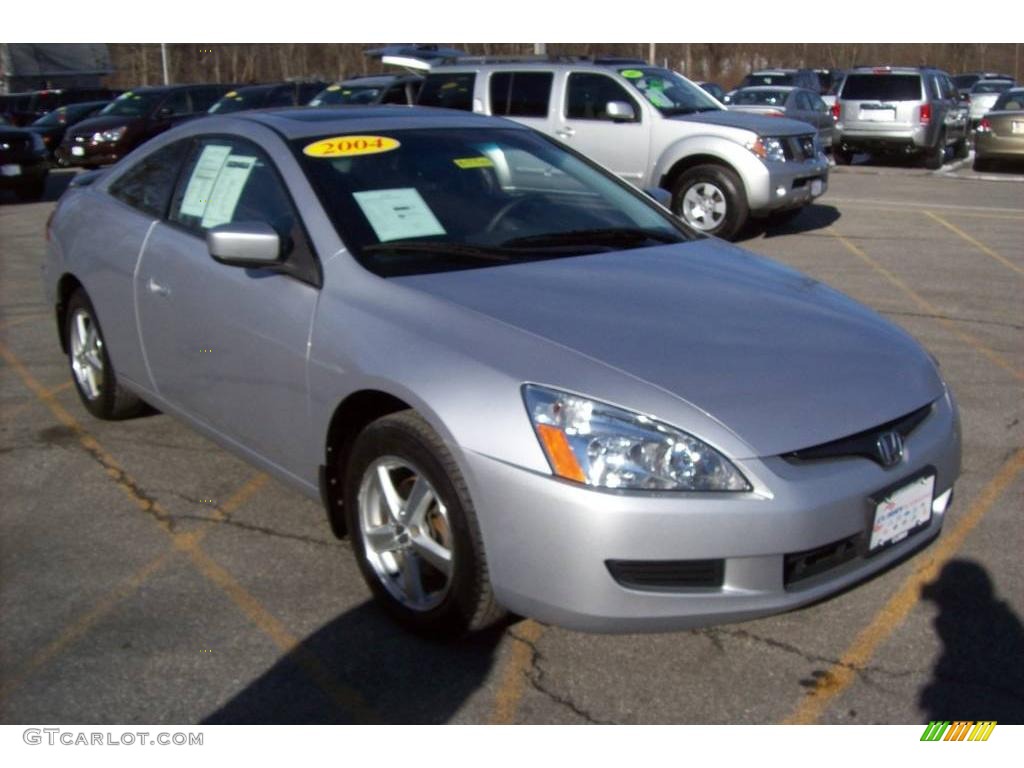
column 559, row 453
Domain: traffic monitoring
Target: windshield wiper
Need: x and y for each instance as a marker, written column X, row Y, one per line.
column 451, row 249
column 578, row 237
column 687, row 110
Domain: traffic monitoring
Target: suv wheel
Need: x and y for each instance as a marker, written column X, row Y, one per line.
column 414, row 530
column 841, row 156
column 710, row 199
column 935, row 156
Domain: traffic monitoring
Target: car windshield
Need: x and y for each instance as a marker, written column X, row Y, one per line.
column 670, row 93
column 759, row 98
column 431, row 200
column 347, row 94
column 236, row 101
column 882, row 88
column 1011, row 101
column 132, row 104
column 991, row 86
column 61, row 115
column 767, row 78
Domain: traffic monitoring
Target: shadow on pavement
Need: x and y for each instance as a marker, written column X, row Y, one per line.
column 56, row 183
column 979, row 675
column 811, row 217
column 395, row 676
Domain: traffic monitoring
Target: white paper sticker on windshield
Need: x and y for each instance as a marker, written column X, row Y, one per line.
column 204, row 175
column 396, row 214
column 224, row 196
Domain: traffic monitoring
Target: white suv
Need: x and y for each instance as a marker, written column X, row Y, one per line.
column 652, row 127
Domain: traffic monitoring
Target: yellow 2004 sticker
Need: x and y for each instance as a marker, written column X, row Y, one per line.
column 348, row 146
column 473, row 162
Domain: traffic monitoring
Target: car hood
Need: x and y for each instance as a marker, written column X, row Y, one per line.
column 763, row 126
column 778, row 358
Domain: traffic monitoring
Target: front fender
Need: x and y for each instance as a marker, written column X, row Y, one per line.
column 751, row 171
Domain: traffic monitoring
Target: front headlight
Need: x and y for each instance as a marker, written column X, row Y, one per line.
column 607, row 447
column 768, row 148
column 111, row 134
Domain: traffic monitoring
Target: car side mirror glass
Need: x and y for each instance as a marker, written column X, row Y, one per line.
column 619, row 111
column 659, row 195
column 245, row 244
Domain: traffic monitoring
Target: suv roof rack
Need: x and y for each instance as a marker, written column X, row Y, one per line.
column 545, row 59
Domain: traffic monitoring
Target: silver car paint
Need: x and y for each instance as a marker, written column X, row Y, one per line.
column 457, row 348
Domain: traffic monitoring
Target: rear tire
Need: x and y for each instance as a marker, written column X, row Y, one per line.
column 961, row 149
column 711, row 200
column 397, row 548
column 91, row 370
column 935, row 156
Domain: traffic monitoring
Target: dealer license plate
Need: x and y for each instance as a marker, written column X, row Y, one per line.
column 815, row 187
column 902, row 511
column 78, row 151
column 10, row 170
column 884, row 115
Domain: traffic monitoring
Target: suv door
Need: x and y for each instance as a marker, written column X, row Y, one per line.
column 957, row 113
column 523, row 96
column 583, row 123
column 227, row 345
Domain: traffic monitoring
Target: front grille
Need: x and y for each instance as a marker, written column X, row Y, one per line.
column 798, row 148
column 667, row 575
column 803, row 565
column 864, row 444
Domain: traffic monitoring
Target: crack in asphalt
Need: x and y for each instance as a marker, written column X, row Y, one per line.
column 535, row 675
column 262, row 529
column 953, row 319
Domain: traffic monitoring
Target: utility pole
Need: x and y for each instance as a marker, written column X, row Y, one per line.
column 540, row 49
column 651, row 56
column 163, row 58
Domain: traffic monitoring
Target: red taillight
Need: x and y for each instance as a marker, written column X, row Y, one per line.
column 984, row 126
column 835, row 110
column 926, row 113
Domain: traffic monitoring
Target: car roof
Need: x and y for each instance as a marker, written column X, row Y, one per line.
column 887, row 70
column 984, row 80
column 757, row 72
column 605, row 65
column 771, row 88
column 377, row 80
column 301, row 122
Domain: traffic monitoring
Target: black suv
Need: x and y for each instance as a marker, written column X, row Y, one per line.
column 23, row 162
column 132, row 118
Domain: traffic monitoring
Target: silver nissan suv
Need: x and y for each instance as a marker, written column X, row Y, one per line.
column 899, row 110
column 716, row 169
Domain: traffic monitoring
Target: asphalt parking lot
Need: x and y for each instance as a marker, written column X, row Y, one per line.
column 147, row 576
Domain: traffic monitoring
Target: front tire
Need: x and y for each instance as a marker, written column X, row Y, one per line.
column 91, row 371
column 414, row 530
column 711, row 199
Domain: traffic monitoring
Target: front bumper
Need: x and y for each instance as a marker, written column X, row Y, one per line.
column 548, row 542
column 789, row 185
column 82, row 150
column 880, row 140
column 19, row 170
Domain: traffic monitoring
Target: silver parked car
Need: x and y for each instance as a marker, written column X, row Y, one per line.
column 652, row 127
column 786, row 101
column 513, row 379
column 910, row 111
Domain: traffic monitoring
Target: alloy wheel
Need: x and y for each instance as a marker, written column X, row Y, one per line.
column 704, row 206
column 86, row 354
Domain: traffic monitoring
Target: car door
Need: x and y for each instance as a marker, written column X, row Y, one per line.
column 227, row 345
column 620, row 145
column 957, row 112
column 523, row 96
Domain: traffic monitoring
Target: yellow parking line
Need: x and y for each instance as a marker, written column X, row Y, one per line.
column 842, row 674
column 347, row 698
column 513, row 679
column 976, row 243
column 930, row 308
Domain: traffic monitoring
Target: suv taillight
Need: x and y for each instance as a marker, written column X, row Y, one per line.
column 984, row 126
column 835, row 110
column 926, row 113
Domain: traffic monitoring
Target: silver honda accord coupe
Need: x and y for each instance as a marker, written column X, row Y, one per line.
column 515, row 381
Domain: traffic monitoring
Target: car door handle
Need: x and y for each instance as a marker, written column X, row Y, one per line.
column 159, row 290
column 566, row 133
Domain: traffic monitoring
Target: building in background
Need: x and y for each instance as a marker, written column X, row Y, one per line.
column 38, row 66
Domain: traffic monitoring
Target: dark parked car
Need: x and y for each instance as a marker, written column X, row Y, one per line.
column 53, row 125
column 800, row 78
column 132, row 118
column 267, row 95
column 964, row 82
column 23, row 162
column 39, row 103
column 370, row 89
column 714, row 89
column 12, row 104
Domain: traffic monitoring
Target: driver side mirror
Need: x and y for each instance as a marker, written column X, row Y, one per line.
column 619, row 111
column 245, row 244
column 164, row 112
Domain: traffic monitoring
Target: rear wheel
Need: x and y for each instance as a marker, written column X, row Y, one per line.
column 961, row 149
column 414, row 530
column 711, row 199
column 91, row 371
column 935, row 156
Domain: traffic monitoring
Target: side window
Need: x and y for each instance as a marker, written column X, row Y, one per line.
column 452, row 90
column 934, row 89
column 395, row 95
column 204, row 98
column 176, row 103
column 521, row 94
column 589, row 94
column 803, row 101
column 282, row 96
column 230, row 180
column 148, row 184
column 949, row 88
column 818, row 104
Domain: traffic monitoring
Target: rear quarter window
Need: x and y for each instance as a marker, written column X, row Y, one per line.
column 882, row 88
column 449, row 90
column 520, row 94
